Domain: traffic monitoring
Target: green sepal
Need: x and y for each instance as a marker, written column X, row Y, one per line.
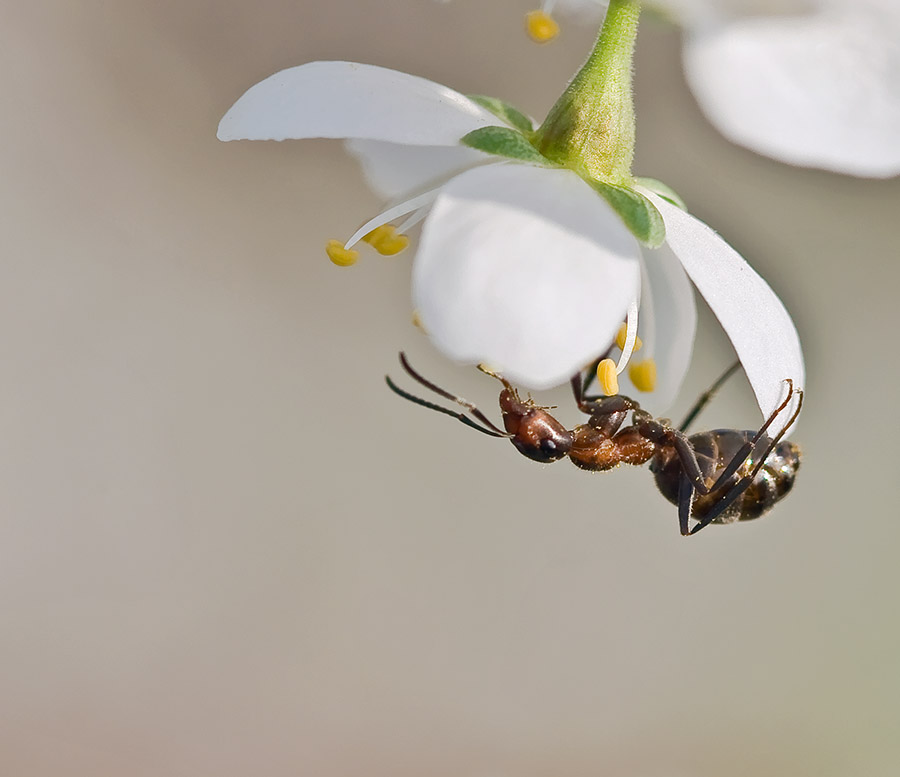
column 639, row 214
column 663, row 190
column 512, row 116
column 505, row 142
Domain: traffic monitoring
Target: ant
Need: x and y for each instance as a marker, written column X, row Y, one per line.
column 720, row 476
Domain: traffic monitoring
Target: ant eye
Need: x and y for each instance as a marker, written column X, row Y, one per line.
column 548, row 446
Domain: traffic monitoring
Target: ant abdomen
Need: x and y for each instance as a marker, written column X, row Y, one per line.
column 714, row 451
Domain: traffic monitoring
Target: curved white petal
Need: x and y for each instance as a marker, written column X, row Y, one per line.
column 351, row 100
column 755, row 320
column 668, row 325
column 394, row 170
column 820, row 90
column 525, row 269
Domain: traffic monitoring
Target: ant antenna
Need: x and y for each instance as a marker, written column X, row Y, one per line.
column 489, row 428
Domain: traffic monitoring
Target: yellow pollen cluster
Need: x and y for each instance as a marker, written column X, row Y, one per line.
column 643, row 374
column 622, row 334
column 341, row 256
column 606, row 375
column 541, row 26
column 386, row 241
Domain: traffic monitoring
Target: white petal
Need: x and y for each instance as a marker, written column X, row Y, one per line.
column 394, row 170
column 350, row 100
column 820, row 90
column 755, row 320
column 583, row 10
column 525, row 269
column 698, row 12
column 668, row 325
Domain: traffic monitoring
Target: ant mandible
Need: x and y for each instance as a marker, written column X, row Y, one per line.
column 720, row 476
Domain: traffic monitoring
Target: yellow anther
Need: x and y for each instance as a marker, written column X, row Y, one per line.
column 541, row 26
column 643, row 374
column 392, row 247
column 341, row 256
column 606, row 374
column 417, row 322
column 384, row 232
column 386, row 241
column 622, row 334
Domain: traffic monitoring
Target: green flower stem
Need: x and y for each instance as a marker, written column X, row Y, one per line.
column 591, row 127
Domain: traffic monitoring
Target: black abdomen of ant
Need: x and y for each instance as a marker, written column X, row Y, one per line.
column 719, row 476
column 714, row 451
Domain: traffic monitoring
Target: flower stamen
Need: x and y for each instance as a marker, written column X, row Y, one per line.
column 623, row 334
column 628, row 347
column 541, row 26
column 386, row 240
column 341, row 256
column 417, row 322
column 608, row 377
column 643, row 374
column 394, row 212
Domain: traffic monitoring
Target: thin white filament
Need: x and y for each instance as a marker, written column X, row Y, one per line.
column 392, row 213
column 631, row 320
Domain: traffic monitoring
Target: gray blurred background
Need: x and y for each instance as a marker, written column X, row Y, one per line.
column 226, row 548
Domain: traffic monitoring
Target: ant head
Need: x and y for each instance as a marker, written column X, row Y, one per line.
column 535, row 433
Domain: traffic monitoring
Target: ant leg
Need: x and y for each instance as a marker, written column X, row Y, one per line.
column 747, row 448
column 452, row 397
column 707, row 395
column 685, row 503
column 582, row 380
column 600, row 405
column 432, row 406
column 738, row 488
column 662, row 434
column 591, row 374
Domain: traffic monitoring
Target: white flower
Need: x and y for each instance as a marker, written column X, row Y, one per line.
column 811, row 83
column 808, row 82
column 522, row 267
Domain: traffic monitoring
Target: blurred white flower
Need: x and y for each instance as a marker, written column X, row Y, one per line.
column 812, row 82
column 522, row 266
column 808, row 82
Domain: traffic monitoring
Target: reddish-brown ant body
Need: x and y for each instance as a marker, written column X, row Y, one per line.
column 719, row 476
